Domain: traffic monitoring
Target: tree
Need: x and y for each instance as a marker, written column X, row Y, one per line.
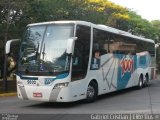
column 156, row 24
column 16, row 14
column 10, row 15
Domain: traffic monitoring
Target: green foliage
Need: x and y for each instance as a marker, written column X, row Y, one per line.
column 156, row 25
column 16, row 14
column 96, row 11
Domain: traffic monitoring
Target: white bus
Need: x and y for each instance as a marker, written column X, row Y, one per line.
column 65, row 61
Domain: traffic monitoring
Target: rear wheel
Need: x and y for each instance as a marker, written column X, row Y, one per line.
column 92, row 92
column 146, row 83
column 140, row 83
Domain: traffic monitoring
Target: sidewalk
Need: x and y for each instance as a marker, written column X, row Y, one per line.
column 8, row 94
column 11, row 88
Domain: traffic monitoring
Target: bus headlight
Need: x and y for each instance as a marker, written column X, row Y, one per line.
column 61, row 85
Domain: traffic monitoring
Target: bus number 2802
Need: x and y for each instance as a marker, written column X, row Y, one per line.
column 31, row 81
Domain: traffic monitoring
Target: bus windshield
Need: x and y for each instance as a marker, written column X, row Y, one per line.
column 43, row 49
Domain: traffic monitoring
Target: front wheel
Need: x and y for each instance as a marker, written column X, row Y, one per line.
column 92, row 92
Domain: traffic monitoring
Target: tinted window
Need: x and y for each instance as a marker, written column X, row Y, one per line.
column 122, row 45
column 106, row 42
column 100, row 41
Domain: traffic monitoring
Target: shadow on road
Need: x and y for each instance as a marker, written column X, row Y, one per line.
column 56, row 105
column 79, row 103
column 99, row 99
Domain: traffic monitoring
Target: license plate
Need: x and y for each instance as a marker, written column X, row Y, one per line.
column 37, row 94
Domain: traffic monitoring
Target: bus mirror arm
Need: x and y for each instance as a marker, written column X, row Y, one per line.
column 70, row 45
column 7, row 51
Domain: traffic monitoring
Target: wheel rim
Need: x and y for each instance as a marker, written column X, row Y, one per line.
column 140, row 82
column 90, row 92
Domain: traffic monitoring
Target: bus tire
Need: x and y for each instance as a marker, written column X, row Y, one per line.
column 92, row 92
column 146, row 83
column 140, row 83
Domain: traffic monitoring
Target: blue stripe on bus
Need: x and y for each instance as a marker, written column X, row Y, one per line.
column 47, row 80
column 28, row 78
column 61, row 76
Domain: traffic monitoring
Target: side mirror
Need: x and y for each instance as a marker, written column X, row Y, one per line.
column 8, row 45
column 70, row 45
column 157, row 45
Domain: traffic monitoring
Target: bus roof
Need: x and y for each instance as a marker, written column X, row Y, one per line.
column 98, row 26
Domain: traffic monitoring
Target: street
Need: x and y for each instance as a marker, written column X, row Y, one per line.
column 129, row 101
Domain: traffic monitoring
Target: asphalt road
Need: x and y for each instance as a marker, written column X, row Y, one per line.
column 129, row 101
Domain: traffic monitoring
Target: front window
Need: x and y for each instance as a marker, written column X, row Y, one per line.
column 43, row 49
column 81, row 52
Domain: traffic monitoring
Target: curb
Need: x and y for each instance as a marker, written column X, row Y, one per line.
column 8, row 94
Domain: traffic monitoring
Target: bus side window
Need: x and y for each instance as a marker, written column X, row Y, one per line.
column 95, row 61
column 77, row 59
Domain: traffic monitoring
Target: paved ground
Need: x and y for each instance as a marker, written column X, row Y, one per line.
column 131, row 101
column 138, row 104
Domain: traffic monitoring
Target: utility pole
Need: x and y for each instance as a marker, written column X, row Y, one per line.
column 5, row 41
column 5, row 73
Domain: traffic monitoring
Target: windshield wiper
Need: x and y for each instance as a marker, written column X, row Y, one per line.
column 43, row 52
column 37, row 54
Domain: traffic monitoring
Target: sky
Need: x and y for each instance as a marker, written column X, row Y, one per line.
column 148, row 9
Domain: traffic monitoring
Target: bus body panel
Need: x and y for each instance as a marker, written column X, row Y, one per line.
column 45, row 93
column 42, row 91
column 116, row 72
